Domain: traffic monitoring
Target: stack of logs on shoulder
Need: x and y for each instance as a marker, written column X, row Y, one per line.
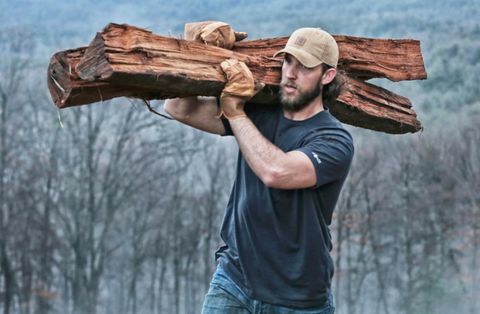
column 124, row 60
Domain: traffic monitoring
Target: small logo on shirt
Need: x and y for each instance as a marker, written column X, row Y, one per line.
column 316, row 158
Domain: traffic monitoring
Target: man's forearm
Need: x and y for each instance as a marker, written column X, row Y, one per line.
column 263, row 157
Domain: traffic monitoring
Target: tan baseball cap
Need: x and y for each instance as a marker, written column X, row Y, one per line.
column 312, row 46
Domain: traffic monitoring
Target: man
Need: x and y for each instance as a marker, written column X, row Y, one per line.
column 292, row 163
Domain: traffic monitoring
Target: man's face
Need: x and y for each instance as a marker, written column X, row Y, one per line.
column 300, row 85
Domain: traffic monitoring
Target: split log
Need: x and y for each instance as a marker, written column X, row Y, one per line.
column 372, row 107
column 363, row 58
column 68, row 89
column 137, row 63
column 361, row 104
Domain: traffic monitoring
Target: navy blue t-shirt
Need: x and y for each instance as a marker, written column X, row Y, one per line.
column 277, row 241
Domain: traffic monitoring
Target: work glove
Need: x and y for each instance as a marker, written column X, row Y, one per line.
column 213, row 33
column 240, row 87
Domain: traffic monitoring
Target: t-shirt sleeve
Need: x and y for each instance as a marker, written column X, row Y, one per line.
column 226, row 124
column 331, row 157
column 228, row 128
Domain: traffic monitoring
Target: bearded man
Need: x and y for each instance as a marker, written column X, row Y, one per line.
column 293, row 160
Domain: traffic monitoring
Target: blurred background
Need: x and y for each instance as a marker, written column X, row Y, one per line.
column 107, row 208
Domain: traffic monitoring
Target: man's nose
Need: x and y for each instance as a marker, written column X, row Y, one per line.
column 291, row 72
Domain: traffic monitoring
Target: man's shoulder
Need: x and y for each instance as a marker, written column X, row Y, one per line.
column 330, row 128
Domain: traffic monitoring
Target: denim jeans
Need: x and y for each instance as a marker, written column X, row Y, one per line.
column 225, row 297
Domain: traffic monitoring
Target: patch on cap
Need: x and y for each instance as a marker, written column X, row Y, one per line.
column 300, row 41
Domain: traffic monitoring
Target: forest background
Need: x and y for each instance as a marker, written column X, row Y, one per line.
column 107, row 208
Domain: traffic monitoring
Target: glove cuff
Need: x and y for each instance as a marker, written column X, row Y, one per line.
column 223, row 115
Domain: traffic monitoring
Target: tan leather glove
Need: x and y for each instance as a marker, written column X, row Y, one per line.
column 240, row 87
column 213, row 33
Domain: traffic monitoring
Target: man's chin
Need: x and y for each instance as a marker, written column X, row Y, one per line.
column 292, row 106
column 299, row 101
column 289, row 103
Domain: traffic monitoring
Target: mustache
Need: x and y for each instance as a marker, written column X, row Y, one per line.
column 289, row 84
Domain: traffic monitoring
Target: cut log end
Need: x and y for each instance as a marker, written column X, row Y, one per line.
column 58, row 80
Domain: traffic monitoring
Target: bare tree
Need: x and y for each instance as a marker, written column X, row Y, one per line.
column 15, row 45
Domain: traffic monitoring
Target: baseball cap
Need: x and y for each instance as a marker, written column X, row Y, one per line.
column 312, row 46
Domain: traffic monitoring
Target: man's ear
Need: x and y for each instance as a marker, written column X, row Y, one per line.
column 328, row 76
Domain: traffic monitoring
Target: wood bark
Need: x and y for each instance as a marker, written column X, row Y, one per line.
column 68, row 89
column 128, row 61
column 360, row 57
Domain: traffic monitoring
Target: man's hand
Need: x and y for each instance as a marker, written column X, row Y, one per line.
column 240, row 87
column 213, row 33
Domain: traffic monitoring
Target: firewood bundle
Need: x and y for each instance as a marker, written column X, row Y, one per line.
column 124, row 60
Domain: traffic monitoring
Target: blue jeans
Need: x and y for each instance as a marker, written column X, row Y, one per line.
column 225, row 297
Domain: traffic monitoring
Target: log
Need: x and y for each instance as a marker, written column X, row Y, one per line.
column 128, row 61
column 360, row 104
column 372, row 107
column 363, row 58
column 68, row 89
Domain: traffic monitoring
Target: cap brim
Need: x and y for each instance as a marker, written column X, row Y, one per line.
column 304, row 57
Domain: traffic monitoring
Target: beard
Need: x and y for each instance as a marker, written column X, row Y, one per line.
column 302, row 100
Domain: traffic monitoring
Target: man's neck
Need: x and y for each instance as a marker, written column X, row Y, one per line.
column 309, row 111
